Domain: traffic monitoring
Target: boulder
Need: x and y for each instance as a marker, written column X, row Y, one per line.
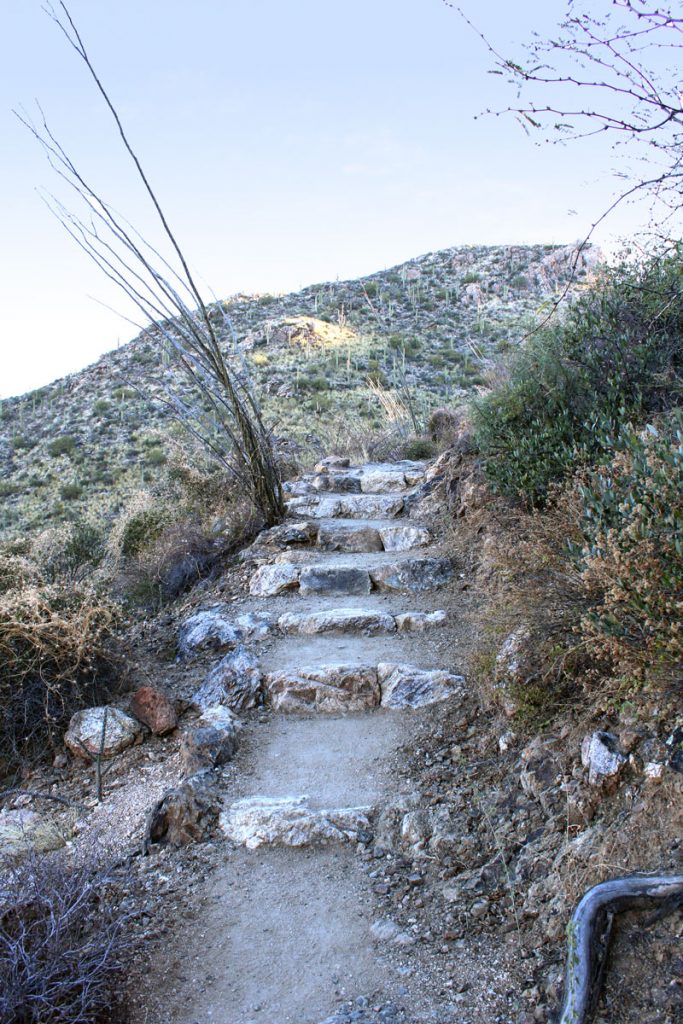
column 289, row 821
column 599, row 754
column 334, row 579
column 255, row 625
column 286, row 535
column 413, row 574
column 404, row 538
column 154, row 709
column 339, row 483
column 328, row 688
column 185, row 814
column 351, row 537
column 209, row 629
column 235, row 682
column 332, row 462
column 274, row 579
column 418, row 622
column 338, row 620
column 86, row 727
column 406, row 686
column 211, row 742
column 23, row 832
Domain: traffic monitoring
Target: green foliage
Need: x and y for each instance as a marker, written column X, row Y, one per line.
column 633, row 550
column 471, row 278
column 70, row 492
column 142, row 529
column 418, row 448
column 616, row 357
column 64, row 445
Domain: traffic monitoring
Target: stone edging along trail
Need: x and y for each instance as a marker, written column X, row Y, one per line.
column 340, row 632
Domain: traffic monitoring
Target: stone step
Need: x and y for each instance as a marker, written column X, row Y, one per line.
column 372, row 478
column 351, row 536
column 351, row 506
column 407, row 575
column 341, row 687
column 358, row 620
column 290, row 821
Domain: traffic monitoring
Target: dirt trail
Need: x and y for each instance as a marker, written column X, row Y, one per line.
column 283, row 935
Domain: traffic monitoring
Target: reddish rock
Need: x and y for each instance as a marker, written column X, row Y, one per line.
column 155, row 709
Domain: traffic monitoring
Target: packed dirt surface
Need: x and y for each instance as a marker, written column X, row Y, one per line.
column 446, row 900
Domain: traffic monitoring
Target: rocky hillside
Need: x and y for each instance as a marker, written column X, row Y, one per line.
column 398, row 343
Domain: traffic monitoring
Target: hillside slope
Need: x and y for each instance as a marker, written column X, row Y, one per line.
column 425, row 331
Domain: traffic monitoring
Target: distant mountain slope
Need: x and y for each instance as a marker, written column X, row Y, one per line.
column 429, row 327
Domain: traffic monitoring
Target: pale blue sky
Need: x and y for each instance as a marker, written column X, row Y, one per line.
column 289, row 143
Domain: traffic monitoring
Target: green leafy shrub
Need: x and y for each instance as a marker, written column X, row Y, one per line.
column 64, row 445
column 69, row 492
column 616, row 357
column 418, row 448
column 632, row 557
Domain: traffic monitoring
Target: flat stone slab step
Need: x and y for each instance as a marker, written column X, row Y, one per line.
column 350, row 506
column 372, row 478
column 358, row 620
column 409, row 575
column 348, row 536
column 289, row 821
column 338, row 688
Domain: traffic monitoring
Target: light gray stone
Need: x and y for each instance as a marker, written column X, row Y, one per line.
column 413, row 575
column 316, row 506
column 274, row 579
column 338, row 620
column 289, row 821
column 332, row 689
column 382, row 481
column 367, row 506
column 404, row 538
column 600, row 756
column 210, row 629
column 406, row 686
column 352, row 537
column 418, row 622
column 235, row 682
column 85, row 730
column 255, row 625
column 334, row 579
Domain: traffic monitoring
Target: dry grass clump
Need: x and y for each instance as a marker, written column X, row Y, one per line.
column 54, row 654
column 165, row 541
column 65, row 938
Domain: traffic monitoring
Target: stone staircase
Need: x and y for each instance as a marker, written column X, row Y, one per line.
column 350, row 562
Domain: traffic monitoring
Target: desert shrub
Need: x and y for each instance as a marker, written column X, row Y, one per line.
column 65, row 939
column 64, row 445
column 616, row 357
column 55, row 657
column 70, row 492
column 443, row 425
column 8, row 490
column 632, row 556
column 178, row 558
column 70, row 552
column 418, row 448
column 15, row 571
